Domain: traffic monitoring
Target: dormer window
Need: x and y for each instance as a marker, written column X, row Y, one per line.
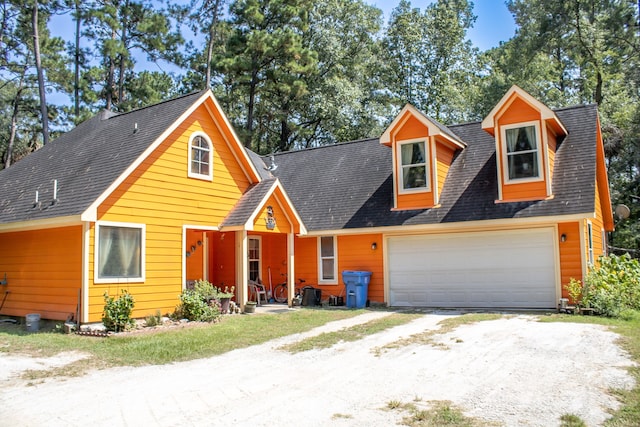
column 200, row 157
column 522, row 152
column 413, row 166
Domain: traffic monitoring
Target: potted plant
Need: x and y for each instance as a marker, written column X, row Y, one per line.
column 224, row 297
column 250, row 307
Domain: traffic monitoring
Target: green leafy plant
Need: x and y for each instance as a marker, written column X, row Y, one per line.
column 574, row 288
column 205, row 289
column 199, row 304
column 614, row 286
column 228, row 292
column 117, row 312
column 153, row 320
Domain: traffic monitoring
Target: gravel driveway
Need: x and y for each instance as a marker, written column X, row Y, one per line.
column 513, row 371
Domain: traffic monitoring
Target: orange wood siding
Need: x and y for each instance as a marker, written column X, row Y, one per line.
column 282, row 222
column 415, row 200
column 551, row 151
column 444, row 158
column 570, row 254
column 597, row 225
column 195, row 261
column 44, row 272
column 354, row 253
column 274, row 258
column 159, row 194
column 306, row 250
column 222, row 269
column 411, row 129
column 524, row 191
column 518, row 111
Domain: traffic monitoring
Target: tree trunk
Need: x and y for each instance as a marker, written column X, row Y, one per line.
column 250, row 107
column 76, row 79
column 110, row 78
column 212, row 35
column 43, row 98
column 124, row 40
column 598, row 93
column 14, row 120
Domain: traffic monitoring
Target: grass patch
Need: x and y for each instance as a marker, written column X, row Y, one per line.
column 341, row 416
column 352, row 333
column 629, row 330
column 571, row 420
column 428, row 337
column 435, row 414
column 163, row 347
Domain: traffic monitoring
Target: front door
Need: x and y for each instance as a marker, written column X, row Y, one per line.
column 254, row 257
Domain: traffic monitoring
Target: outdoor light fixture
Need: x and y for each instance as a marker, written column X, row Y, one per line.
column 374, row 246
column 563, row 238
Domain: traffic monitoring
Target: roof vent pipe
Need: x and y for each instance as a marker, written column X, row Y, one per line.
column 55, row 192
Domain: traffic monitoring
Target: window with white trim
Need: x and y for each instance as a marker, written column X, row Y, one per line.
column 254, row 244
column 200, row 157
column 119, row 252
column 327, row 260
column 590, row 241
column 522, row 152
column 413, row 166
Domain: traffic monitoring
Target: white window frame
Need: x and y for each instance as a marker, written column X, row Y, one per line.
column 334, row 257
column 191, row 174
column 505, row 156
column 400, row 167
column 249, row 259
column 590, row 242
column 96, row 265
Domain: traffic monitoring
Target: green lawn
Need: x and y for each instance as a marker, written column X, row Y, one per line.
column 179, row 344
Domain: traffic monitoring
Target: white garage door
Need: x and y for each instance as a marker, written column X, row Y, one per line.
column 508, row 269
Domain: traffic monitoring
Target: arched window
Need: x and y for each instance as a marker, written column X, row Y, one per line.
column 200, row 157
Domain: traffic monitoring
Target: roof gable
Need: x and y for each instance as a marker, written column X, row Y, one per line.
column 90, row 161
column 435, row 128
column 513, row 95
column 243, row 216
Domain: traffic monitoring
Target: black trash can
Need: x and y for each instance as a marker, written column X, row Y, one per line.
column 311, row 296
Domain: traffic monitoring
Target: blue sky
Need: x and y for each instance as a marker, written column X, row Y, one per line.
column 494, row 22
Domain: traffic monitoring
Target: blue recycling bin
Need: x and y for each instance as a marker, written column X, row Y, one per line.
column 357, row 284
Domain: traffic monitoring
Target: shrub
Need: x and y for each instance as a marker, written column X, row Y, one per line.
column 153, row 320
column 198, row 304
column 117, row 312
column 574, row 288
column 614, row 286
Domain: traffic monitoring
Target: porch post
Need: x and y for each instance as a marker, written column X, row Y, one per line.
column 242, row 275
column 290, row 268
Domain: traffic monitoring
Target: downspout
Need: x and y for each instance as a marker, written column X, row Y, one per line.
column 83, row 297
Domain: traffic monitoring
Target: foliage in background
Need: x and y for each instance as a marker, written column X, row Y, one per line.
column 613, row 287
column 294, row 74
column 117, row 312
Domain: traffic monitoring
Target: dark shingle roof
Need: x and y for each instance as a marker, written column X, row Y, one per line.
column 350, row 185
column 85, row 161
column 248, row 203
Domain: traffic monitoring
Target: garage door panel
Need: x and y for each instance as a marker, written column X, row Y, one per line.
column 488, row 269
